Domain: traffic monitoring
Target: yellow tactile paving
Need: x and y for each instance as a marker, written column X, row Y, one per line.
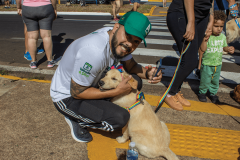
column 200, row 106
column 186, row 140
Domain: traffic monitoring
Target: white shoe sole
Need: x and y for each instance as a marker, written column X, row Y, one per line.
column 72, row 132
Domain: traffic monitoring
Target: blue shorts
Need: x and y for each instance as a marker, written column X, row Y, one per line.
column 135, row 1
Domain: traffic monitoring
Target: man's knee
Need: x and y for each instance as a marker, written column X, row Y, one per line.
column 121, row 119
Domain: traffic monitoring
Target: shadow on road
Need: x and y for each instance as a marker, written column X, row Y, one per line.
column 58, row 47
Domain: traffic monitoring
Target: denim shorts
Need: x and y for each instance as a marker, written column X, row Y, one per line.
column 135, row 1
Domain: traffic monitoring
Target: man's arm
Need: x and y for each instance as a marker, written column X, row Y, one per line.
column 82, row 92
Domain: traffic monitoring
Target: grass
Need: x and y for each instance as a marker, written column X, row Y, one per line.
column 4, row 72
column 107, row 8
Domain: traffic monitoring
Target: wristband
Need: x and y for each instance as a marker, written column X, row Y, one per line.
column 146, row 74
column 232, row 6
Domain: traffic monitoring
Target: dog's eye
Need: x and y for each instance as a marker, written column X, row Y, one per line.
column 114, row 79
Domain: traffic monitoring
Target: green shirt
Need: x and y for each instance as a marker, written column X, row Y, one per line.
column 213, row 55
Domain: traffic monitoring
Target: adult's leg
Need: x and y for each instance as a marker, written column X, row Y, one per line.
column 114, row 9
column 26, row 38
column 45, row 23
column 32, row 43
column 47, row 42
column 97, row 114
column 136, row 5
column 117, row 7
column 176, row 22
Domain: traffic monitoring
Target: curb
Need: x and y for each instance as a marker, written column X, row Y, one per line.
column 51, row 72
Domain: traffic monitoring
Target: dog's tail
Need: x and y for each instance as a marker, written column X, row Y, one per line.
column 168, row 154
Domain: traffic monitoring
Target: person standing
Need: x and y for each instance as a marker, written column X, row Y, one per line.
column 188, row 21
column 115, row 9
column 38, row 15
column 211, row 57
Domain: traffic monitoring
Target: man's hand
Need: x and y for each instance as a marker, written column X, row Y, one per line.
column 208, row 31
column 151, row 73
column 124, row 87
column 190, row 31
column 231, row 49
column 19, row 11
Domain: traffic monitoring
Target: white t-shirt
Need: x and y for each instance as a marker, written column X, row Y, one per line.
column 82, row 62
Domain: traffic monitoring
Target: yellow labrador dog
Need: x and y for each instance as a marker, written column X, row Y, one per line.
column 151, row 136
column 232, row 30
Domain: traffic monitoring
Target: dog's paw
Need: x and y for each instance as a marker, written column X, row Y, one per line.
column 121, row 139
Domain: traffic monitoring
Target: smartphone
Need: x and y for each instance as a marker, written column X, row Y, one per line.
column 158, row 66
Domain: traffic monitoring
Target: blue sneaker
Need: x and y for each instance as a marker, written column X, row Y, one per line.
column 27, row 56
column 40, row 51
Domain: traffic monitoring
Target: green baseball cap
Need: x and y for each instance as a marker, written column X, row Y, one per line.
column 136, row 24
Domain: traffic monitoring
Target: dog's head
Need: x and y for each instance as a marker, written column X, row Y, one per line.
column 113, row 78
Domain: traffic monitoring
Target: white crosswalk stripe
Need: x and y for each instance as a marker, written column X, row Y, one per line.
column 160, row 23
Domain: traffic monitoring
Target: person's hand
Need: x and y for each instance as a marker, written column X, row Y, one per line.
column 208, row 32
column 123, row 86
column 151, row 73
column 19, row 11
column 55, row 11
column 190, row 31
column 231, row 49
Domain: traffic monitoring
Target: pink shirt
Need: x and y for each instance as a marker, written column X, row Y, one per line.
column 36, row 3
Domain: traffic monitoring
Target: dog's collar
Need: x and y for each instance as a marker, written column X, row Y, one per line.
column 140, row 97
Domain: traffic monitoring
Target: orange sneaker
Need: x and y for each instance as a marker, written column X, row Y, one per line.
column 173, row 103
column 182, row 100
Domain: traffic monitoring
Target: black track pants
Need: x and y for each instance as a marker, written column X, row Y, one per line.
column 97, row 113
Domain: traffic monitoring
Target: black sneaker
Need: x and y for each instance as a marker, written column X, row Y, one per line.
column 78, row 133
column 202, row 97
column 214, row 98
column 197, row 73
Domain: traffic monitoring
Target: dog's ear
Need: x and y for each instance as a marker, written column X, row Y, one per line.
column 133, row 82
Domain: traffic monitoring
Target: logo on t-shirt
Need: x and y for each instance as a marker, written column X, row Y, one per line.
column 85, row 70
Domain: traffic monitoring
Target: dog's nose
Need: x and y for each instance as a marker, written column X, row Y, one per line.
column 101, row 83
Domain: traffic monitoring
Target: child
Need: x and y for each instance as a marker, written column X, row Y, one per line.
column 210, row 53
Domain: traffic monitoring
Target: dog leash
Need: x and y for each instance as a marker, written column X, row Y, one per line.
column 160, row 102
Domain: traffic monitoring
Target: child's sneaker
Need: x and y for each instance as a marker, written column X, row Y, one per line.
column 40, row 50
column 197, row 73
column 27, row 56
column 33, row 65
column 202, row 97
column 214, row 98
column 51, row 63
